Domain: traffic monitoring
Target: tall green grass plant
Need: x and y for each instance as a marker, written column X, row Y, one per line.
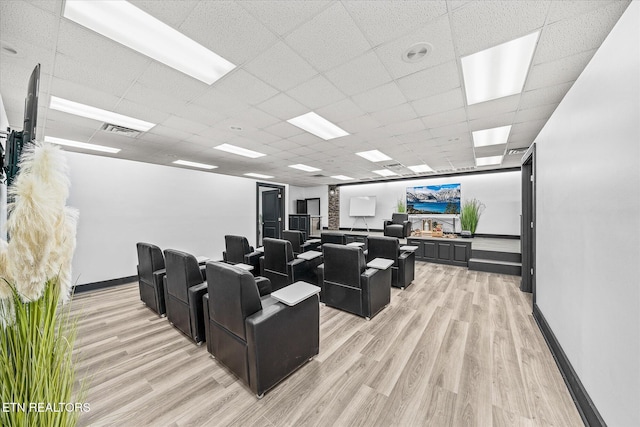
column 470, row 215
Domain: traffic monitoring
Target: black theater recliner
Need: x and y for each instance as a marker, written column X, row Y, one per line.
column 282, row 268
column 237, row 250
column 349, row 285
column 184, row 287
column 151, row 274
column 260, row 340
column 298, row 243
column 404, row 263
column 399, row 226
column 333, row 237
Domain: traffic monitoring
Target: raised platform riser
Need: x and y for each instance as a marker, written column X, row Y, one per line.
column 496, row 256
column 513, row 270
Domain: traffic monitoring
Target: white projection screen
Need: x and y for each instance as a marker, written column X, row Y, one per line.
column 362, row 206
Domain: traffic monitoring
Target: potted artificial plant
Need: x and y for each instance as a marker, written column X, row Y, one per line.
column 470, row 215
column 37, row 365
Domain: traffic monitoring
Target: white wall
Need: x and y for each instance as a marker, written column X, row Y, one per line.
column 500, row 192
column 321, row 191
column 122, row 202
column 588, row 215
column 4, row 124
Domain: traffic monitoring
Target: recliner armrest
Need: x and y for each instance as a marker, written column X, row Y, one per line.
column 203, row 272
column 224, row 256
column 376, row 290
column 195, row 295
column 264, row 285
column 387, row 222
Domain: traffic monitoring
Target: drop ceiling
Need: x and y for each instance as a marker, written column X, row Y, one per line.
column 341, row 59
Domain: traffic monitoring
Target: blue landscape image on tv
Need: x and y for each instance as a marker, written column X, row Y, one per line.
column 434, row 199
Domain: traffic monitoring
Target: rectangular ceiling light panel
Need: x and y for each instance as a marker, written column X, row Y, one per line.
column 342, row 177
column 493, row 136
column 385, row 172
column 420, row 168
column 374, row 156
column 78, row 144
column 498, row 71
column 94, row 113
column 318, row 126
column 194, row 164
column 126, row 24
column 488, row 161
column 305, row 168
column 239, row 151
column 258, row 175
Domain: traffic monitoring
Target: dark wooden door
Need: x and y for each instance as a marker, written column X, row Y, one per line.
column 271, row 215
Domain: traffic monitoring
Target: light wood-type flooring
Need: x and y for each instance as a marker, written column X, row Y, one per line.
column 457, row 348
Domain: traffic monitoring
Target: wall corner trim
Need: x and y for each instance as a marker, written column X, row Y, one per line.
column 104, row 284
column 588, row 411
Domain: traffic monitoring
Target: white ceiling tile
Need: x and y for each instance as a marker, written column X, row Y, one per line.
column 158, row 100
column 436, row 33
column 282, row 16
column 399, row 113
column 388, row 20
column 492, row 150
column 360, row 74
column 493, row 121
column 244, row 87
column 255, row 118
column 484, row 24
column 27, row 22
column 448, row 131
column 431, row 81
column 403, row 128
column 220, row 103
column 340, row 111
column 380, row 98
column 329, row 39
column 556, row 72
column 533, row 127
column 281, row 67
column 227, row 29
column 445, row 119
column 82, row 94
column 112, row 80
column 577, row 34
column 284, row 145
column 260, row 136
column 494, row 107
column 415, row 137
column 139, row 111
column 359, row 124
column 90, row 48
column 544, row 95
column 198, row 114
column 441, row 102
column 305, row 139
column 178, row 85
column 184, row 125
column 565, row 9
column 283, row 107
column 171, row 12
column 316, row 93
column 536, row 113
column 284, row 130
column 175, row 134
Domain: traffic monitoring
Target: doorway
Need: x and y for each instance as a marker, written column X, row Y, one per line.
column 270, row 210
column 528, row 226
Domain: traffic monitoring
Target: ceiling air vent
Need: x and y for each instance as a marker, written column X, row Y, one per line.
column 120, row 130
column 394, row 166
column 516, row 151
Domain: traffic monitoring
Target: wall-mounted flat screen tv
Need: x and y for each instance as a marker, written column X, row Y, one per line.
column 434, row 199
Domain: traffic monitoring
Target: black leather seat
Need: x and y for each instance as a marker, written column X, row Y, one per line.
column 260, row 340
column 333, row 237
column 399, row 226
column 151, row 274
column 298, row 241
column 349, row 285
column 404, row 263
column 282, row 268
column 184, row 287
column 237, row 250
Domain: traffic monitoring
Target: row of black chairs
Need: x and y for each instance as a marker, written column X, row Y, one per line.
column 259, row 339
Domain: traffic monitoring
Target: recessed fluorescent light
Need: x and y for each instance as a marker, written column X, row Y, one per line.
column 486, row 161
column 258, row 175
column 385, row 172
column 194, row 164
column 420, row 168
column 374, row 156
column 94, row 113
column 305, row 168
column 239, row 151
column 342, row 177
column 498, row 71
column 126, row 24
column 318, row 125
column 493, row 136
column 78, row 144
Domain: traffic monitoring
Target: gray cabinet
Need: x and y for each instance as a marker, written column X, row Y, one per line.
column 442, row 251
